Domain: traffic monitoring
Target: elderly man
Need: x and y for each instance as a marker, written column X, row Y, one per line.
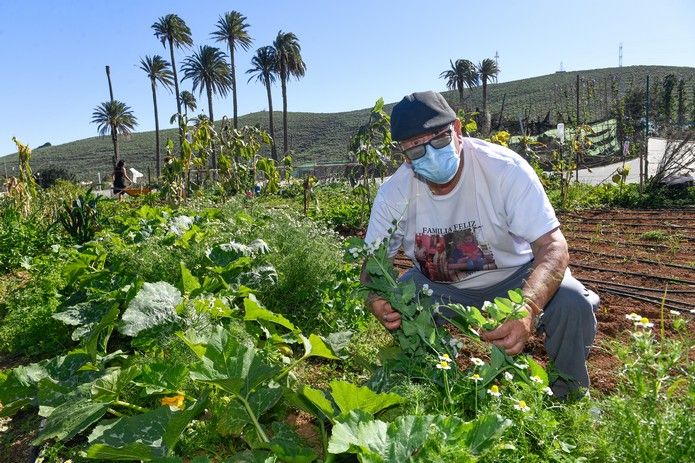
column 455, row 186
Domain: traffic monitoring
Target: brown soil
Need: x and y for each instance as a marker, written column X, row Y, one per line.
column 633, row 259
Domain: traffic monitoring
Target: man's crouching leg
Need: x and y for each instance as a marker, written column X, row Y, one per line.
column 569, row 323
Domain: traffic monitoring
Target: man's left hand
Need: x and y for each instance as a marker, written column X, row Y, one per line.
column 511, row 336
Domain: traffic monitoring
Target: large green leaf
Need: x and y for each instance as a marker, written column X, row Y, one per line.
column 254, row 311
column 233, row 416
column 319, row 400
column 189, row 283
column 85, row 316
column 314, row 346
column 349, row 397
column 71, row 418
column 231, row 365
column 108, row 388
column 154, row 305
column 141, row 437
column 162, row 377
column 359, row 434
column 288, row 447
column 484, row 431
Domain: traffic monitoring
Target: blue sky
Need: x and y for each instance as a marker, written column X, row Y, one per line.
column 53, row 53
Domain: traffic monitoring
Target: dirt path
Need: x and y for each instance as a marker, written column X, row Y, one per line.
column 633, row 259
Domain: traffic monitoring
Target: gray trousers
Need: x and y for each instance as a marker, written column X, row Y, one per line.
column 568, row 320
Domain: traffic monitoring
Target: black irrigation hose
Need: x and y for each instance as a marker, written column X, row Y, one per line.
column 639, row 288
column 637, row 259
column 638, row 274
column 654, row 300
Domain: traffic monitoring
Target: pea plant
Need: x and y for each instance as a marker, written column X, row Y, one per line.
column 424, row 343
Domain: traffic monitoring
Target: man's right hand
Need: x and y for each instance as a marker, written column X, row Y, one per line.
column 383, row 311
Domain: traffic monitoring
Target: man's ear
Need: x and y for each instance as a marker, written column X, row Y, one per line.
column 457, row 126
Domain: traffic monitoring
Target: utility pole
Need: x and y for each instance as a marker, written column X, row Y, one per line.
column 646, row 139
column 576, row 134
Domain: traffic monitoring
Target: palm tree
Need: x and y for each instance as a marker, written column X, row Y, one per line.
column 188, row 101
column 488, row 71
column 289, row 63
column 157, row 70
column 208, row 70
column 231, row 28
column 172, row 30
column 116, row 118
column 463, row 73
column 263, row 70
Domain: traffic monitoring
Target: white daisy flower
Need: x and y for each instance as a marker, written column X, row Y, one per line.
column 521, row 366
column 476, row 377
column 508, row 376
column 444, row 358
column 521, row 406
column 536, row 379
column 644, row 323
column 443, row 365
column 633, row 317
column 547, row 390
column 494, row 391
column 674, row 312
column 477, row 362
column 426, row 290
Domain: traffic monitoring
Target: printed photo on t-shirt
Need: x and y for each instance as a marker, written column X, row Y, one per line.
column 452, row 256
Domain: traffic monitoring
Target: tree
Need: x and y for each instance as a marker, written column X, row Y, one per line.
column 289, row 63
column 231, row 28
column 188, row 101
column 463, row 73
column 488, row 71
column 172, row 30
column 116, row 118
column 157, row 69
column 263, row 70
column 208, row 70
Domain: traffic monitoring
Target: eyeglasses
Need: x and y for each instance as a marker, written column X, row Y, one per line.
column 437, row 140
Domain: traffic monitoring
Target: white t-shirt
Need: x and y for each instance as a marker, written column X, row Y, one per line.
column 477, row 234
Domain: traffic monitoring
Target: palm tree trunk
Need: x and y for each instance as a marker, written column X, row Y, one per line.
column 273, row 149
column 158, row 168
column 208, row 89
column 233, row 70
column 283, row 82
column 108, row 77
column 178, row 97
column 114, row 140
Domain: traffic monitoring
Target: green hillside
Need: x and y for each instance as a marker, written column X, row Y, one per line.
column 324, row 137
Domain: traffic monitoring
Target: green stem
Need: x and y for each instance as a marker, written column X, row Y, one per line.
column 249, row 412
column 385, row 272
column 115, row 413
column 288, row 368
column 130, row 406
column 447, row 389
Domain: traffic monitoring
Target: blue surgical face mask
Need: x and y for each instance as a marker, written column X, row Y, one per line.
column 438, row 165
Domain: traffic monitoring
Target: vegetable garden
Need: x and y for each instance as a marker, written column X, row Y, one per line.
column 219, row 324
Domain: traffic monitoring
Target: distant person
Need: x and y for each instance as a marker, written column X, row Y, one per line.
column 120, row 176
column 450, row 183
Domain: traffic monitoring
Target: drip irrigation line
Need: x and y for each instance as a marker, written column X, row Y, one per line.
column 610, row 223
column 638, row 288
column 637, row 274
column 609, row 231
column 618, row 243
column 668, row 303
column 637, row 259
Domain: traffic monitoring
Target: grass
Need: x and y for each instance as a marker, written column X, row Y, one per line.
column 324, row 137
